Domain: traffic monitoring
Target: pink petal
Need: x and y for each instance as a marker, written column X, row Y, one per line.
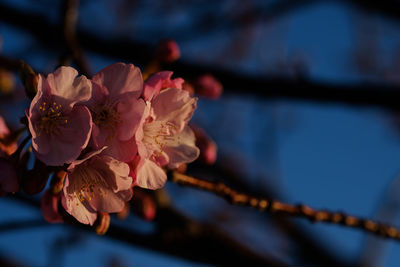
column 98, row 137
column 68, row 145
column 68, row 88
column 121, row 150
column 142, row 149
column 149, row 175
column 33, row 113
column 82, row 211
column 131, row 112
column 120, row 78
column 122, row 181
column 158, row 81
column 183, row 150
column 115, row 189
column 175, row 106
column 4, row 131
column 99, row 95
column 86, row 157
column 49, row 207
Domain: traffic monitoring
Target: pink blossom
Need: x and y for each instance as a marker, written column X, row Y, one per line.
column 8, row 177
column 102, row 223
column 158, row 81
column 6, row 145
column 207, row 86
column 164, row 137
column 98, row 183
column 60, row 127
column 144, row 204
column 208, row 148
column 168, row 51
column 49, row 207
column 117, row 109
column 4, row 131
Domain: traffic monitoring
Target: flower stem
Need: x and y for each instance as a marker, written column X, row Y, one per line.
column 278, row 207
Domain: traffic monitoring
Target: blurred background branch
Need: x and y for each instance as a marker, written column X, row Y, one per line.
column 300, row 88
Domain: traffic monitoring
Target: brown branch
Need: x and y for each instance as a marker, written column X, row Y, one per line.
column 362, row 94
column 310, row 247
column 182, row 237
column 274, row 206
column 70, row 18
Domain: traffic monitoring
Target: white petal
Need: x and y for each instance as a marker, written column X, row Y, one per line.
column 150, row 175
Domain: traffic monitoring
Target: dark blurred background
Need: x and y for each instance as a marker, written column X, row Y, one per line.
column 309, row 114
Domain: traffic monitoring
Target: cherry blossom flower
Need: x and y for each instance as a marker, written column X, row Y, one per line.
column 208, row 148
column 4, row 131
column 97, row 183
column 168, row 51
column 49, row 207
column 117, row 109
column 7, row 146
column 208, row 86
column 158, row 81
column 60, row 127
column 164, row 138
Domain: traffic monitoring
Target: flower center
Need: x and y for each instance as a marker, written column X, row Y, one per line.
column 158, row 134
column 89, row 184
column 51, row 118
column 107, row 117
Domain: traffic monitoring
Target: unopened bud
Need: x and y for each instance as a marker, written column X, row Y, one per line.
column 207, row 86
column 102, row 223
column 49, row 207
column 144, row 204
column 182, row 168
column 124, row 213
column 57, row 182
column 208, row 148
column 7, row 81
column 8, row 143
column 29, row 79
column 168, row 51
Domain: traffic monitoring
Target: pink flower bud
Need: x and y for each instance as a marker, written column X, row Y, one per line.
column 207, row 86
column 102, row 223
column 57, row 182
column 144, row 204
column 124, row 213
column 49, row 207
column 4, row 131
column 168, row 51
column 7, row 81
column 8, row 144
column 208, row 148
column 182, row 168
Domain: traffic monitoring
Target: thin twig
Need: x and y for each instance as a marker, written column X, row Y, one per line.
column 180, row 236
column 274, row 206
column 362, row 94
column 70, row 19
column 312, row 248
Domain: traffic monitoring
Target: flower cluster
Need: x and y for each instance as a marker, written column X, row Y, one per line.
column 110, row 133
